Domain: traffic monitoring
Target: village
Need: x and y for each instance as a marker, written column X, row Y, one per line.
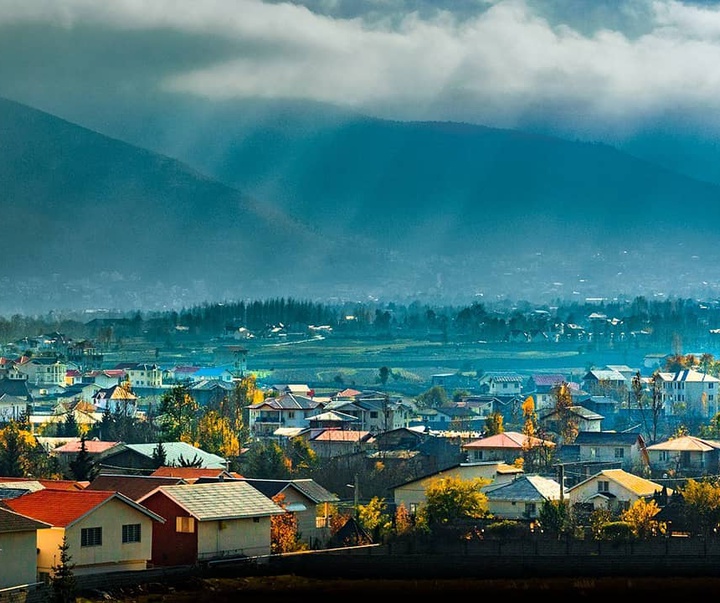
column 142, row 465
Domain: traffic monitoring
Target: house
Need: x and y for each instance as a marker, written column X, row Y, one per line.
column 142, row 374
column 66, row 453
column 507, row 447
column 106, row 531
column 521, row 498
column 411, row 494
column 210, row 521
column 332, row 419
column 306, row 499
column 375, row 411
column 287, row 410
column 607, row 382
column 104, row 379
column 689, row 392
column 585, row 419
column 627, row 449
column 19, row 540
column 209, row 391
column 118, row 398
column 501, row 384
column 42, row 371
column 613, row 489
column 12, row 407
column 689, row 455
column 138, row 458
column 542, row 387
column 134, row 487
column 329, row 443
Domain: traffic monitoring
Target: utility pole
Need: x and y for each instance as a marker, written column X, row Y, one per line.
column 356, row 497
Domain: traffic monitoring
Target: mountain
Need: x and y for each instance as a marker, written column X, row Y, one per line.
column 180, row 203
column 88, row 220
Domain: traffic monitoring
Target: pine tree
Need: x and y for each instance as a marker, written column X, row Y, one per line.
column 63, row 579
column 82, row 467
column 159, row 455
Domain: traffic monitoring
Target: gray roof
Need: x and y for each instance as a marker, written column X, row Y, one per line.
column 221, row 500
column 308, row 487
column 526, row 488
column 174, row 450
column 14, row 522
column 608, row 438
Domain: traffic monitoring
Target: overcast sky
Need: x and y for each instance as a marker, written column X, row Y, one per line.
column 574, row 66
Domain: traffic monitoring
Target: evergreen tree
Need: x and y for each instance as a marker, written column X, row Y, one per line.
column 63, row 580
column 82, row 467
column 159, row 455
column 69, row 427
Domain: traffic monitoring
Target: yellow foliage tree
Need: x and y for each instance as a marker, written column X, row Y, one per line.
column 215, row 435
column 451, row 499
column 640, row 517
column 284, row 536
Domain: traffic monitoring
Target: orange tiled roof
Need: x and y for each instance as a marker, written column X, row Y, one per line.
column 59, row 508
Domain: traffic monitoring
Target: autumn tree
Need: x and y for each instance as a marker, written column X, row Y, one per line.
column 216, row 435
column 451, row 499
column 640, row 517
column 567, row 422
column 702, row 505
column 284, row 534
column 303, row 459
column 178, row 415
column 21, row 455
column 494, row 424
column 374, row 517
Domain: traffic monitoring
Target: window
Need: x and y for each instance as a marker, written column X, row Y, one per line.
column 373, row 414
column 131, row 532
column 91, row 537
column 594, row 452
column 291, row 414
column 530, row 510
column 619, row 453
column 603, row 486
column 478, row 454
column 185, row 524
column 664, row 455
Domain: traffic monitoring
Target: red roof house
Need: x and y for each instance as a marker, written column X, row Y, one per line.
column 106, row 531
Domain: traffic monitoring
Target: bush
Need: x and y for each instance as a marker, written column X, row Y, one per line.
column 617, row 531
column 507, row 529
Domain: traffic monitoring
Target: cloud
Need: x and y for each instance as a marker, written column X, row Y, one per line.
column 577, row 65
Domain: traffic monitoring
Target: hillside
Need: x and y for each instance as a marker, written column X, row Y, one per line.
column 200, row 202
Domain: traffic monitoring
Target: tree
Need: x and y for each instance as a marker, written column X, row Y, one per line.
column 195, row 461
column 82, row 467
column 554, row 516
column 159, row 455
column 494, row 424
column 18, row 449
column 178, row 415
column 702, row 505
column 451, row 499
column 215, row 434
column 383, row 375
column 265, row 460
column 656, row 403
column 63, row 581
column 435, row 397
column 567, row 422
column 640, row 517
column 374, row 517
column 69, row 426
column 303, row 459
column 284, row 535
